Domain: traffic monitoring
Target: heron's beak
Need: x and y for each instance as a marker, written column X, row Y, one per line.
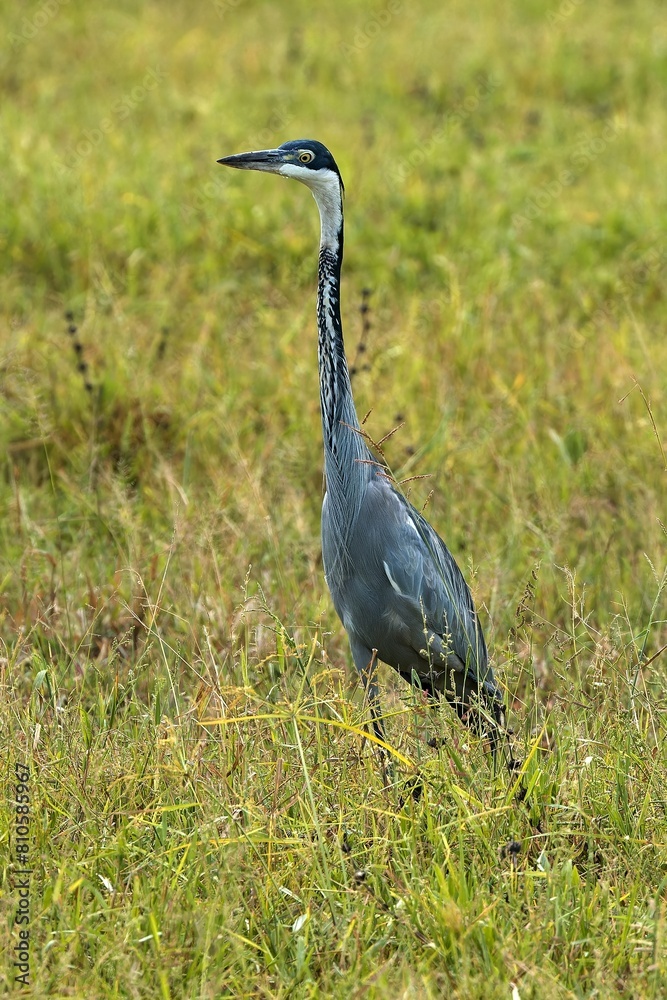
column 269, row 160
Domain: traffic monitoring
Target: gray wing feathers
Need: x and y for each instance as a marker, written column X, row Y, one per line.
column 422, row 571
column 435, row 602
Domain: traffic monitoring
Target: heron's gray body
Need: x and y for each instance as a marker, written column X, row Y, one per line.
column 404, row 601
column 395, row 586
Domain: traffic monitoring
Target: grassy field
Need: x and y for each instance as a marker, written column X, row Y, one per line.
column 200, row 813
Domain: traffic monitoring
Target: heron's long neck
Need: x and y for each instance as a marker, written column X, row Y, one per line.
column 346, row 456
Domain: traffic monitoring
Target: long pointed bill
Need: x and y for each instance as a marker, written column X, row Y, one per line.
column 269, row 160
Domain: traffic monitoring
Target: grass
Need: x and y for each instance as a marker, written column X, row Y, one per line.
column 207, row 816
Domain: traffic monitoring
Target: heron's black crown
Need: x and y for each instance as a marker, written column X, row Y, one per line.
column 322, row 158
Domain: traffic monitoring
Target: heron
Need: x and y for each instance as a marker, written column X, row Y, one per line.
column 395, row 585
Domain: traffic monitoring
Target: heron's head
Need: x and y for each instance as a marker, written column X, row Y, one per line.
column 304, row 160
column 311, row 163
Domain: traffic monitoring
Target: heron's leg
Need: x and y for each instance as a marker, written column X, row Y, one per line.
column 365, row 660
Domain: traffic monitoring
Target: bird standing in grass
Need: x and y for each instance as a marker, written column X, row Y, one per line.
column 396, row 587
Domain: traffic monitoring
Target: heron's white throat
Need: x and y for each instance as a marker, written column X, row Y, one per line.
column 325, row 186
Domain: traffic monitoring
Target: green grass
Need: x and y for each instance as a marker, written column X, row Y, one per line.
column 208, row 817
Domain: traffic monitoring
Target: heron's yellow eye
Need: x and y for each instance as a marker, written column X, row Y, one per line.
column 306, row 156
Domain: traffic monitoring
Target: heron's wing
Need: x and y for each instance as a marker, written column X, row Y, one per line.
column 428, row 588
